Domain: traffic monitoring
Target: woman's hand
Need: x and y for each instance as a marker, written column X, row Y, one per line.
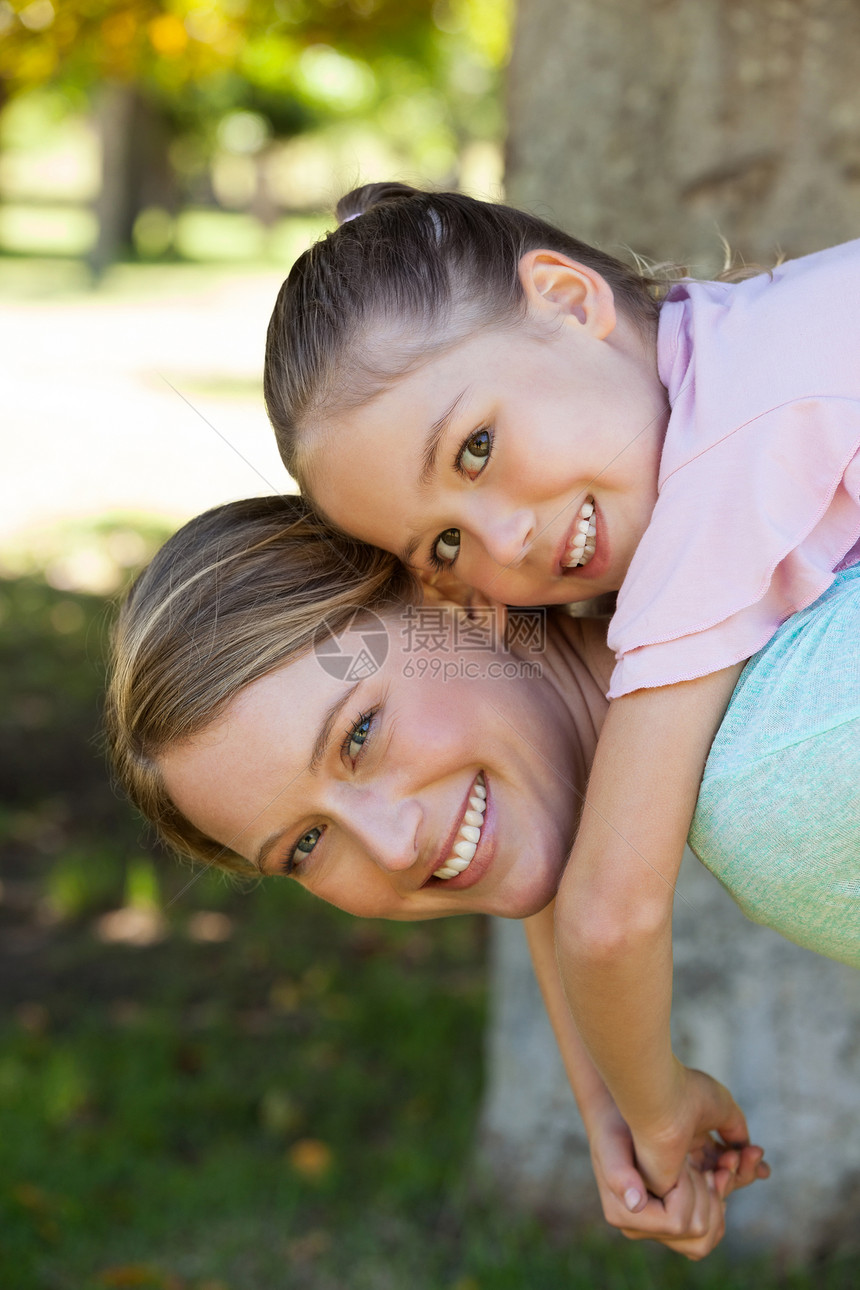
column 445, row 588
column 690, row 1217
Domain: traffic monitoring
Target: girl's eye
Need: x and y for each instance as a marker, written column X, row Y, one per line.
column 357, row 735
column 447, row 547
column 302, row 849
column 475, row 452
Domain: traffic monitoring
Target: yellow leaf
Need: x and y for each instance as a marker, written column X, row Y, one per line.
column 311, row 1158
column 168, row 35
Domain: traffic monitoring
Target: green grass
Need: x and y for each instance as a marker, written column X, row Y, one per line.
column 202, row 236
column 291, row 1106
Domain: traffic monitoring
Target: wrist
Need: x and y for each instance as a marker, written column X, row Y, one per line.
column 657, row 1118
column 599, row 1110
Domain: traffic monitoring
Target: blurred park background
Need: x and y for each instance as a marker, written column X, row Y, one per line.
column 204, row 1087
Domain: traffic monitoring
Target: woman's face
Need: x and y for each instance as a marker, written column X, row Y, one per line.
column 361, row 789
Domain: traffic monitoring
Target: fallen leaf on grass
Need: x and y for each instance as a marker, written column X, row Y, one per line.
column 311, row 1158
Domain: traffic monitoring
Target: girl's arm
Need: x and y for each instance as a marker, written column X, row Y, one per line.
column 614, row 918
column 691, row 1218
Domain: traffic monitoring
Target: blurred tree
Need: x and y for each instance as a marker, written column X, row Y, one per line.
column 662, row 127
column 158, row 71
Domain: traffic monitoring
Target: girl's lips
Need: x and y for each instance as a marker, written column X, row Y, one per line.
column 482, row 858
column 599, row 562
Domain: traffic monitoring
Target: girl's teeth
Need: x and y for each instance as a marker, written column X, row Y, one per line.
column 581, row 547
column 468, row 835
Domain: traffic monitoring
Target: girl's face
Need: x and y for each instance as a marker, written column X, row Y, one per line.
column 360, row 789
column 495, row 455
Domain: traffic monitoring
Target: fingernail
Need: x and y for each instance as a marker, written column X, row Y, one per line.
column 711, row 1181
column 632, row 1198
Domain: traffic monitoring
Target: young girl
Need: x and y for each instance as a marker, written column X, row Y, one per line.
column 553, row 425
column 237, row 734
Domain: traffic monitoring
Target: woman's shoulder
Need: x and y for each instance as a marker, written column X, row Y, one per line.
column 585, row 639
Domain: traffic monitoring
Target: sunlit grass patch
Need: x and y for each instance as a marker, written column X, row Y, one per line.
column 221, row 236
column 95, row 556
column 40, row 230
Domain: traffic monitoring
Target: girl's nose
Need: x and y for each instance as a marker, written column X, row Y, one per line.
column 506, row 537
column 388, row 830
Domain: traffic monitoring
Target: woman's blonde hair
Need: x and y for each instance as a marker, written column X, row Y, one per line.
column 236, row 593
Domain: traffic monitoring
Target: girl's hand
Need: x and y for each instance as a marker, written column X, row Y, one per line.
column 701, row 1106
column 690, row 1218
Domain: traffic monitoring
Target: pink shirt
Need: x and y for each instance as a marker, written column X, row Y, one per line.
column 759, row 486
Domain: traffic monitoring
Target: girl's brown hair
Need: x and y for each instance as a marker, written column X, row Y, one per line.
column 443, row 263
column 236, row 593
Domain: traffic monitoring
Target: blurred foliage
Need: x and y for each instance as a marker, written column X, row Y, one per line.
column 260, row 1093
column 294, row 63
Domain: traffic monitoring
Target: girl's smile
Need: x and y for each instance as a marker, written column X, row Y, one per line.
column 406, row 795
column 527, row 458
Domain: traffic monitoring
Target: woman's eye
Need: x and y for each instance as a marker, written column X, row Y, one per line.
column 476, row 452
column 357, row 735
column 303, row 848
column 448, row 546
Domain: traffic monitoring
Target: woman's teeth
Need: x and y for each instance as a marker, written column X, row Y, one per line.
column 580, row 548
column 469, row 834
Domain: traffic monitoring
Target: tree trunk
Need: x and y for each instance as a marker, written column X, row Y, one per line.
column 136, row 170
column 779, row 1025
column 663, row 127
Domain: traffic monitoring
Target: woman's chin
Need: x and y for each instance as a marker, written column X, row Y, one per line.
column 521, row 900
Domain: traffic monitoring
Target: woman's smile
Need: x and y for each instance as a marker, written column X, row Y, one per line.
column 469, row 854
column 406, row 795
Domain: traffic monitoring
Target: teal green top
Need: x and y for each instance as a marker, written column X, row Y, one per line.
column 778, row 816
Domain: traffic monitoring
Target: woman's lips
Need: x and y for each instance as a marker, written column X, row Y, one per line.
column 482, row 856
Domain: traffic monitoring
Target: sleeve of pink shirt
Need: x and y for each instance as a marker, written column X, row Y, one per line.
column 701, row 596
column 759, row 493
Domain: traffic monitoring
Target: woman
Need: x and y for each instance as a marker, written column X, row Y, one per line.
column 281, row 703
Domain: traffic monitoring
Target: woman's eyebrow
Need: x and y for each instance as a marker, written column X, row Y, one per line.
column 406, row 553
column 328, row 721
column 317, row 756
column 434, row 437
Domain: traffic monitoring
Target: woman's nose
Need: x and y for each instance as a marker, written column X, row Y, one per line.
column 388, row 830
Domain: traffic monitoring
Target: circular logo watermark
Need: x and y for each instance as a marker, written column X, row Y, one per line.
column 357, row 651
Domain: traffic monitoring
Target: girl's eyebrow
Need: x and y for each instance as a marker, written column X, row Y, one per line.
column 434, row 437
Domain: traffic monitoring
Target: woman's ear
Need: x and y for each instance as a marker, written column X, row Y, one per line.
column 557, row 287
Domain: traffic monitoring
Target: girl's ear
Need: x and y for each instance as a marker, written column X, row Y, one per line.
column 557, row 287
